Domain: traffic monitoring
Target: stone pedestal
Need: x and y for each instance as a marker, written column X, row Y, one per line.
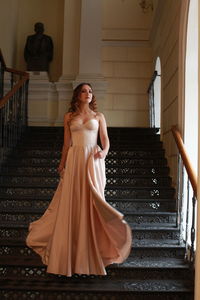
column 42, row 100
column 65, row 90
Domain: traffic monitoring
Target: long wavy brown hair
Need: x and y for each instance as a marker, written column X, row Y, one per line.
column 74, row 104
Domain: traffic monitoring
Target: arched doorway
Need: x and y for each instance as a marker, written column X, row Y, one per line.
column 154, row 92
column 157, row 93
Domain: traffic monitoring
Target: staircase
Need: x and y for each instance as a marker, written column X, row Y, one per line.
column 138, row 184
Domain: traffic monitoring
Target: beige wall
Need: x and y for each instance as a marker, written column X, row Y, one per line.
column 8, row 30
column 128, row 70
column 125, row 21
column 126, row 62
column 165, row 44
column 49, row 12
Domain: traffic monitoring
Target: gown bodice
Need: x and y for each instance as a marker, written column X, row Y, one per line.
column 84, row 134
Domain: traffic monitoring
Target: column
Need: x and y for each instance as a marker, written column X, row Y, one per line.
column 90, row 49
column 71, row 41
column 197, row 259
column 90, row 40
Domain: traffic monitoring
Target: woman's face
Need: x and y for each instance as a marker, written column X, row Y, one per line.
column 85, row 95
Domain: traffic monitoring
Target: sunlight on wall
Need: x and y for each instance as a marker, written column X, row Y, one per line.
column 191, row 85
column 191, row 106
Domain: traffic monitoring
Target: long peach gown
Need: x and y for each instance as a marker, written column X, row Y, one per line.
column 80, row 232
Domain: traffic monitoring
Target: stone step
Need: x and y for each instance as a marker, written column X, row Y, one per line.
column 153, row 181
column 50, row 144
column 122, row 192
column 137, row 153
column 119, row 192
column 16, row 227
column 52, row 181
column 110, row 162
column 20, row 152
column 112, row 130
column 150, row 219
column 52, row 170
column 124, row 137
column 57, row 146
column 167, row 268
column 140, row 249
column 129, row 290
column 128, row 205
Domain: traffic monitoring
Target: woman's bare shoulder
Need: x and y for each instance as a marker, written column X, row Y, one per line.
column 100, row 115
column 67, row 116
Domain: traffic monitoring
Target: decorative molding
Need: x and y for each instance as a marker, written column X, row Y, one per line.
column 126, row 34
column 124, row 43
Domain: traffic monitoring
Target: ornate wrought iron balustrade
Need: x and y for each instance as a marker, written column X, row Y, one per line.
column 13, row 107
column 186, row 190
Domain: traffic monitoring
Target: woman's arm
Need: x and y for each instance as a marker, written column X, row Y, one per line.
column 103, row 137
column 66, row 143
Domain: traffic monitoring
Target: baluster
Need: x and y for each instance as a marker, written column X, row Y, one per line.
column 1, row 80
column 179, row 202
column 153, row 107
column 14, row 127
column 1, row 134
column 192, row 256
column 13, row 116
column 11, row 80
column 187, row 217
column 5, row 139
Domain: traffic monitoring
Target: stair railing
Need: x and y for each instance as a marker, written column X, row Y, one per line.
column 185, row 167
column 13, row 107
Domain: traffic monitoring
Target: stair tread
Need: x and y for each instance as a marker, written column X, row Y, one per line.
column 108, row 176
column 120, row 285
column 140, row 243
column 129, row 263
column 134, row 227
column 118, row 187
column 108, row 199
column 28, row 210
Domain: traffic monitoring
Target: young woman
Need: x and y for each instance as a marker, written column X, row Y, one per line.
column 80, row 232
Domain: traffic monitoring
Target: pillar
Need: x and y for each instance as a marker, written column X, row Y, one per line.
column 81, row 52
column 71, row 40
column 90, row 49
column 197, row 260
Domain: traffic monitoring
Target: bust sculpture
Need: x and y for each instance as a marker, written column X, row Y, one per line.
column 38, row 51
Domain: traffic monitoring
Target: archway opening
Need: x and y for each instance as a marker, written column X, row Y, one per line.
column 157, row 93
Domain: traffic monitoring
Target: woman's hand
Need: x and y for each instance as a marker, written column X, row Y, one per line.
column 61, row 170
column 100, row 154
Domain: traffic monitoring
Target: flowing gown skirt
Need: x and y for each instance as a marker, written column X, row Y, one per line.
column 80, row 232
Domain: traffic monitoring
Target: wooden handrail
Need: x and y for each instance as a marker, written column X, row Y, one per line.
column 17, row 72
column 186, row 161
column 24, row 76
column 13, row 91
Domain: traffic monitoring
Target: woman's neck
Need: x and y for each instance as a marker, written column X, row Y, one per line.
column 84, row 109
